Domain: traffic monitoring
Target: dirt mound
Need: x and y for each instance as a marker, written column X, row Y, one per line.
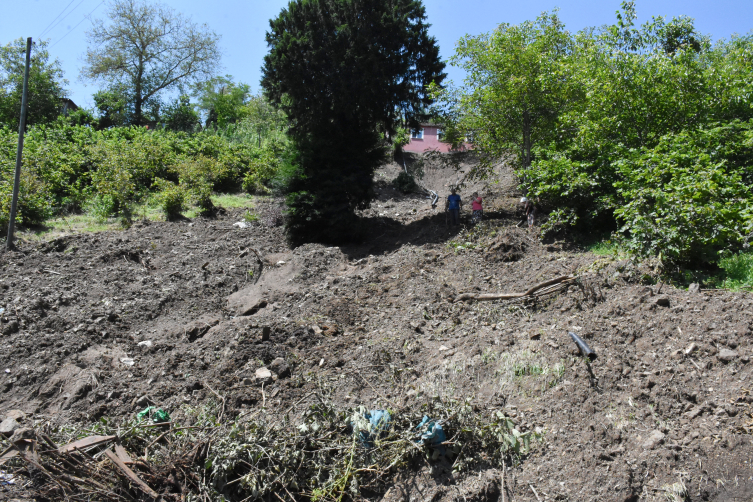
column 509, row 245
column 190, row 316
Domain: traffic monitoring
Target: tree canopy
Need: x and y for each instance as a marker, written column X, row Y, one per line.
column 222, row 100
column 46, row 84
column 146, row 48
column 345, row 72
column 643, row 130
column 516, row 89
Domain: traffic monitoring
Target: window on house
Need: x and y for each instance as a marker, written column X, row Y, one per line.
column 440, row 134
column 417, row 134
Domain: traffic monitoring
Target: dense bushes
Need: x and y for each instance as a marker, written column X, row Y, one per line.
column 644, row 131
column 74, row 168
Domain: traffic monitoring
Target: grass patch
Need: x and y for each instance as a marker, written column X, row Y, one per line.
column 604, row 248
column 231, row 200
column 89, row 223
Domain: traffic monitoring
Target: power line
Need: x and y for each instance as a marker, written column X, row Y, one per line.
column 56, row 18
column 69, row 13
column 84, row 19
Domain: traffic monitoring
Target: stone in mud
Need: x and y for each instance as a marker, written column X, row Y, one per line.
column 8, row 426
column 654, row 439
column 727, row 356
column 280, row 367
column 263, row 375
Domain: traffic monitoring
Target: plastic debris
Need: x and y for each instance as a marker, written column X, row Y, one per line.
column 127, row 361
column 145, row 343
column 370, row 424
column 7, row 478
column 241, row 224
column 158, row 415
column 432, row 434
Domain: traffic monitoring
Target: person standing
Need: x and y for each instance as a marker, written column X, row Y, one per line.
column 477, row 207
column 453, row 205
column 530, row 212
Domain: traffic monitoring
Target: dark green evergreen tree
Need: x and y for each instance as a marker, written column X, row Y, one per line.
column 346, row 73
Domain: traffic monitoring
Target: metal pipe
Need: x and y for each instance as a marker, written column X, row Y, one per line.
column 583, row 346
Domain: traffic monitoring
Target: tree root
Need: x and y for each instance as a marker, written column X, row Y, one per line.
column 540, row 289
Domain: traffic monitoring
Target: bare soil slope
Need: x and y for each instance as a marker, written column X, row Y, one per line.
column 176, row 313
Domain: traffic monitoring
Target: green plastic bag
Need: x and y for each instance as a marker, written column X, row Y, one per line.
column 158, row 414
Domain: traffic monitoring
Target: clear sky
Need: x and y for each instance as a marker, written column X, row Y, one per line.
column 242, row 25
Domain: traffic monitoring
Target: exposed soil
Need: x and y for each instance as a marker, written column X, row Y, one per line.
column 175, row 313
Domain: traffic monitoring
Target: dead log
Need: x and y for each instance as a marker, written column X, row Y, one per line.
column 485, row 297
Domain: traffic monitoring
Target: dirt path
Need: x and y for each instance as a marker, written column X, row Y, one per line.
column 174, row 314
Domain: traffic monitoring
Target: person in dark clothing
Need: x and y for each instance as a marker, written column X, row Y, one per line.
column 453, row 205
column 530, row 208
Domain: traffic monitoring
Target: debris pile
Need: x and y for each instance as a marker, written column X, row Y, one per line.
column 330, row 454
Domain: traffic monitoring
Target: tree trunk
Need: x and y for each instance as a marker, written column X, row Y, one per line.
column 526, row 140
column 138, row 101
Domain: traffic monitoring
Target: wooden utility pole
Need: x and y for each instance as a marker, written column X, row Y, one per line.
column 19, row 153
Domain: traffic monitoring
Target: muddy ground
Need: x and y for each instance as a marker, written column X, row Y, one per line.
column 177, row 313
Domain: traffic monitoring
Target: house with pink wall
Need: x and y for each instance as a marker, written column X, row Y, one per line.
column 428, row 137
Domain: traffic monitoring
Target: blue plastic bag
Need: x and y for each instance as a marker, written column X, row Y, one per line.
column 370, row 424
column 434, row 435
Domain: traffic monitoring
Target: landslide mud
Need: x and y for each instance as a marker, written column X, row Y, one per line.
column 176, row 313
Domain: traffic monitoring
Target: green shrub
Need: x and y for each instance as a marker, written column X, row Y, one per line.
column 170, row 198
column 260, row 171
column 405, row 182
column 686, row 199
column 681, row 202
column 197, row 179
column 738, row 271
column 106, row 172
column 33, row 199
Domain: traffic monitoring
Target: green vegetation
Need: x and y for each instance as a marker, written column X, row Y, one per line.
column 737, row 271
column 143, row 50
column 645, row 131
column 69, row 169
column 320, row 453
column 405, row 182
column 369, row 64
column 46, row 84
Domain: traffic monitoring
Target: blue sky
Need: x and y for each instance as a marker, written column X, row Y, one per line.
column 242, row 25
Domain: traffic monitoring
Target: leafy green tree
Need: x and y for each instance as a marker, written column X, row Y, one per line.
column 264, row 119
column 223, row 101
column 147, row 48
column 345, row 72
column 114, row 107
column 180, row 115
column 516, row 89
column 46, row 84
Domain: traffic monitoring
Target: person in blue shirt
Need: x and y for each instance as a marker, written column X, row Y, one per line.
column 453, row 206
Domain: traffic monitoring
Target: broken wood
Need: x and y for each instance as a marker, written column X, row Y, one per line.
column 85, row 443
column 559, row 281
column 130, row 474
column 123, row 454
column 8, row 454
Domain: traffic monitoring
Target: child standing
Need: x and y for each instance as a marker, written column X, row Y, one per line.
column 478, row 209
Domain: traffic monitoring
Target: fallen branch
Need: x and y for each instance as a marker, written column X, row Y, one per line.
column 559, row 281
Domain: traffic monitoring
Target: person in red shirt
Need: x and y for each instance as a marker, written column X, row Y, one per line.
column 478, row 209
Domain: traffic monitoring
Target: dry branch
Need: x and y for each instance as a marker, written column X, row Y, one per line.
column 534, row 291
